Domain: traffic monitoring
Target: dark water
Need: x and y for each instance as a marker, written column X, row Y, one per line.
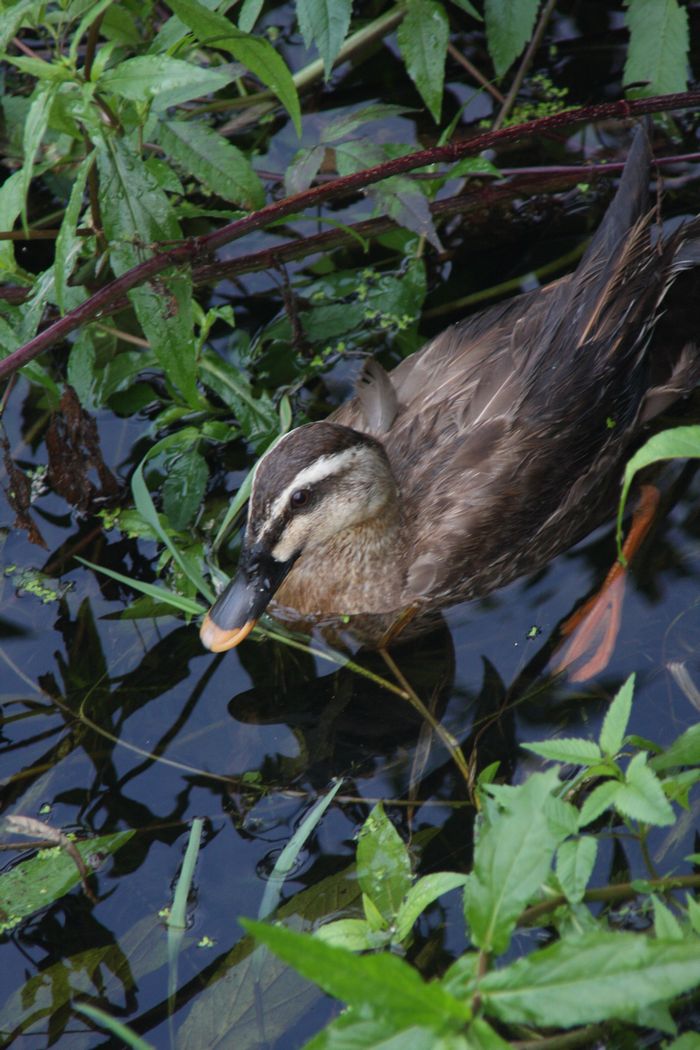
column 114, row 723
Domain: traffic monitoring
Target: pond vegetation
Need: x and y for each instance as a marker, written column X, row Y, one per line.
column 511, row 860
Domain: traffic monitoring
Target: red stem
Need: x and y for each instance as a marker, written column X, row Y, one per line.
column 190, row 250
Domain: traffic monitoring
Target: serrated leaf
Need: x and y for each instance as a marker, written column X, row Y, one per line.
column 11, row 198
column 572, row 750
column 666, row 925
column 211, row 159
column 256, row 415
column 575, row 862
column 384, row 982
column 423, row 36
column 184, row 487
column 421, row 895
column 325, row 23
column 617, row 719
column 658, row 49
column 67, row 242
column 465, row 5
column 257, row 54
column 407, row 204
column 248, row 16
column 641, row 797
column 137, row 215
column 509, row 26
column 511, row 860
column 676, row 443
column 481, row 1036
column 601, row 798
column 383, row 864
column 34, row 129
column 596, row 977
column 303, row 169
column 684, row 751
column 145, row 78
column 355, row 935
column 13, row 17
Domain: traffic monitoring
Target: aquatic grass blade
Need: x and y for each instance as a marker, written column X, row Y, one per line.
column 285, row 861
column 160, row 594
column 120, row 1031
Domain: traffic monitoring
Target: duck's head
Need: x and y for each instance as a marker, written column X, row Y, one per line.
column 315, row 483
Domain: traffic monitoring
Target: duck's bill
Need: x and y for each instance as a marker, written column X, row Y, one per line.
column 237, row 609
column 218, row 640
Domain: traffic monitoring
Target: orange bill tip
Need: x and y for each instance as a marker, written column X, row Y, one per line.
column 218, row 640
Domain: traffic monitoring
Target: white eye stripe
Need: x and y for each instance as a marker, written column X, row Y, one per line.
column 321, row 468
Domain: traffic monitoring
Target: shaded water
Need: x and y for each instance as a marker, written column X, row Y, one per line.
column 113, row 723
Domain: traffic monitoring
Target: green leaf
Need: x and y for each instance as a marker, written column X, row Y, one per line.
column 596, row 977
column 511, row 860
column 147, row 77
column 658, row 48
column 15, row 15
column 11, row 199
column 144, row 505
column 641, row 797
column 465, row 5
column 382, row 982
column 575, row 862
column 421, row 896
column 37, row 67
column 684, row 751
column 355, row 935
column 68, row 243
column 509, row 26
column 676, row 443
column 383, row 864
column 184, row 487
column 687, row 1041
column 572, row 750
column 481, row 1036
column 34, row 130
column 325, row 23
column 601, row 798
column 256, row 54
column 617, row 719
column 48, row 875
column 256, row 415
column 423, row 36
column 666, row 925
column 137, row 215
column 248, row 16
column 211, row 159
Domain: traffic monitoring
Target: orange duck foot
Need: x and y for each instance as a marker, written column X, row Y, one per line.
column 593, row 628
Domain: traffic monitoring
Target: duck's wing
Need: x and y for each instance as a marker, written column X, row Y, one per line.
column 517, row 459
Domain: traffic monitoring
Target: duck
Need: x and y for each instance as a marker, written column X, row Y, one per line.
column 480, row 457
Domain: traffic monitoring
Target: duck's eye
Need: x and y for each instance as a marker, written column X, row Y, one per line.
column 299, row 498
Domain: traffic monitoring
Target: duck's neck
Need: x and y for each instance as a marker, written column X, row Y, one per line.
column 359, row 570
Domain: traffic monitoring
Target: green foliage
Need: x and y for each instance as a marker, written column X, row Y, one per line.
column 44, row 878
column 659, row 43
column 531, row 865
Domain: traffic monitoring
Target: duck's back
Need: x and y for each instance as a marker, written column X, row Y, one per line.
column 506, row 432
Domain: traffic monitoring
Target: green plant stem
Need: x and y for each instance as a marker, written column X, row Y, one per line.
column 581, row 1037
column 525, row 64
column 610, row 894
column 342, row 186
column 438, row 728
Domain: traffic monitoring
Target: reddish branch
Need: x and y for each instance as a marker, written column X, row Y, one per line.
column 195, row 248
